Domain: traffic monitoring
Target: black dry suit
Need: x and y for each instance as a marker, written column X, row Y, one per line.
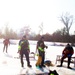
column 24, row 50
column 41, row 57
column 40, row 47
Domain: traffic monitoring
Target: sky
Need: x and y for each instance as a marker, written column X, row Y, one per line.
column 19, row 13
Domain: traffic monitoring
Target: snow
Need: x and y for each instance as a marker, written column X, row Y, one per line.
column 11, row 66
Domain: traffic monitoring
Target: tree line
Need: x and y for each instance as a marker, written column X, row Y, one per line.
column 57, row 36
column 62, row 35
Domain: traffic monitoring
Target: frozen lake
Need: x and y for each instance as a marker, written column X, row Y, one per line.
column 11, row 66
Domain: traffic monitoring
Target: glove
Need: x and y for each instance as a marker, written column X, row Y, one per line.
column 62, row 55
column 28, row 51
column 46, row 47
column 69, row 55
column 19, row 51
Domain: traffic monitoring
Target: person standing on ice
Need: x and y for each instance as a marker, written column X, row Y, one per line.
column 24, row 49
column 6, row 42
column 67, row 53
column 41, row 57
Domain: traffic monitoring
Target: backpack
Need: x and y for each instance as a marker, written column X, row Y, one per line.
column 48, row 63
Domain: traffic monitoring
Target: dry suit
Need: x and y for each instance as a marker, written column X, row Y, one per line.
column 24, row 50
column 6, row 42
column 67, row 52
column 41, row 57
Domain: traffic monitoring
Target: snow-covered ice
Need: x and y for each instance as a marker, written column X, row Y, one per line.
column 11, row 66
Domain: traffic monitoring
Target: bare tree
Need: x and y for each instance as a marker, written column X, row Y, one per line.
column 25, row 30
column 67, row 20
column 41, row 28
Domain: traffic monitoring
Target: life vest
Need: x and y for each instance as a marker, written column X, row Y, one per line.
column 40, row 45
column 24, row 44
column 39, row 48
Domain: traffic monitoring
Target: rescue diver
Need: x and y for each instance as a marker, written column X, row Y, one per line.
column 24, row 49
column 41, row 57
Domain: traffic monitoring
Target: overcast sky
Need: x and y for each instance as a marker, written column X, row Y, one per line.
column 19, row 13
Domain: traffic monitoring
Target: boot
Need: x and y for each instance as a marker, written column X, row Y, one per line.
column 43, row 66
column 22, row 65
column 60, row 64
column 69, row 63
column 29, row 66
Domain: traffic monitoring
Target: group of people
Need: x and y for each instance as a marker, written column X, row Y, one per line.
column 24, row 49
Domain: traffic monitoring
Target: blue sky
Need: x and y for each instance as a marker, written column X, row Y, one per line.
column 19, row 13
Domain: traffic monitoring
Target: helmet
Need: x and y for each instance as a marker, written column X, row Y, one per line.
column 24, row 36
column 42, row 37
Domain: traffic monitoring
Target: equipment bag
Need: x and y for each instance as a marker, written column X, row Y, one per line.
column 54, row 72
